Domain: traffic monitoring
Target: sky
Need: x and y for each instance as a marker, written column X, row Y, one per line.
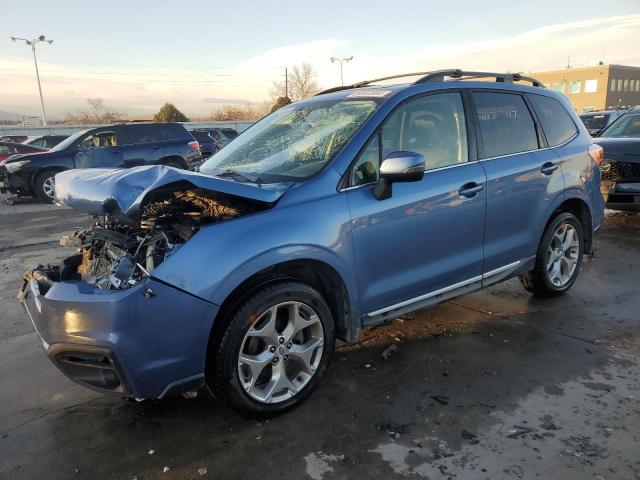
column 139, row 54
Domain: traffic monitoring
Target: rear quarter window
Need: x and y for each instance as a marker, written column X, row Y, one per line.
column 555, row 120
column 173, row 131
column 506, row 125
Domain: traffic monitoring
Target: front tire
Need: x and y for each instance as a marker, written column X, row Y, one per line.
column 274, row 351
column 44, row 185
column 559, row 258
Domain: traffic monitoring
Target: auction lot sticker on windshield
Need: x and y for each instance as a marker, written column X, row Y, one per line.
column 369, row 93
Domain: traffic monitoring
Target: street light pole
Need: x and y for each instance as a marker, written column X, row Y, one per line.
column 341, row 61
column 32, row 44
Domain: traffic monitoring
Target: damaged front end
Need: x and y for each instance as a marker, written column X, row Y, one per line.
column 114, row 255
column 103, row 318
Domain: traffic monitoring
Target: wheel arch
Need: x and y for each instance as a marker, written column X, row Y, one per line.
column 318, row 274
column 580, row 208
column 39, row 171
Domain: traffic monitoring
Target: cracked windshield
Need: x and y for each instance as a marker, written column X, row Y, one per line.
column 293, row 143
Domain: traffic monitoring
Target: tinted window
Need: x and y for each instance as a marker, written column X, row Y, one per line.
column 229, row 132
column 625, row 126
column 140, row 134
column 201, row 136
column 592, row 122
column 506, row 126
column 433, row 126
column 556, row 122
column 172, row 131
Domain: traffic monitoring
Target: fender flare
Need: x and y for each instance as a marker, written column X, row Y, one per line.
column 283, row 254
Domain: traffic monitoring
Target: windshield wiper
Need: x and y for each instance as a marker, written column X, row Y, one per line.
column 233, row 173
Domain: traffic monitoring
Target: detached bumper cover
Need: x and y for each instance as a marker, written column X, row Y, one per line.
column 142, row 342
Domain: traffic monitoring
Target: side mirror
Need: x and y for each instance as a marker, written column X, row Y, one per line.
column 399, row 166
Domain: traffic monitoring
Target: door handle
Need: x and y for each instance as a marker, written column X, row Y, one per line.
column 470, row 189
column 548, row 168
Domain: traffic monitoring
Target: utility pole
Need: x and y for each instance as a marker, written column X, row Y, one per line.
column 32, row 44
column 286, row 82
column 341, row 61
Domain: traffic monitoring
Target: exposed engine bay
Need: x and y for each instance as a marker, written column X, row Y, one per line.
column 114, row 255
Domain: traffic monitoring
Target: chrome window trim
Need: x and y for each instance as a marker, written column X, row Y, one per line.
column 449, row 288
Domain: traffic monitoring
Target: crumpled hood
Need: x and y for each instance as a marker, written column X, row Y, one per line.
column 121, row 192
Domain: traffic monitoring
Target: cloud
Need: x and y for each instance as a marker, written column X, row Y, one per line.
column 142, row 90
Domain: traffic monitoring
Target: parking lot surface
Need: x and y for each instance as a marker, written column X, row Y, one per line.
column 492, row 385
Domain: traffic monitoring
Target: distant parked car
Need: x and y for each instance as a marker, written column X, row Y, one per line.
column 621, row 168
column 208, row 145
column 221, row 135
column 113, row 146
column 597, row 121
column 14, row 138
column 46, row 141
column 8, row 149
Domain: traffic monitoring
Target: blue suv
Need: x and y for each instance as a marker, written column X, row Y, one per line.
column 328, row 216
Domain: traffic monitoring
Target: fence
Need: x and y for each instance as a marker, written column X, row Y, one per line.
column 239, row 126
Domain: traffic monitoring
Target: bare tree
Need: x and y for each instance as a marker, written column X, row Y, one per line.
column 303, row 84
column 240, row 112
column 97, row 113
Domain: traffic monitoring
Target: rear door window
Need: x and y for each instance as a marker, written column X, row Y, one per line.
column 556, row 122
column 506, row 125
column 170, row 131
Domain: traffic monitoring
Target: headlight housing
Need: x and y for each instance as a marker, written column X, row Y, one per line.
column 13, row 167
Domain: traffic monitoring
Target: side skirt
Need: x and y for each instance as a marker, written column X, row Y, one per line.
column 447, row 293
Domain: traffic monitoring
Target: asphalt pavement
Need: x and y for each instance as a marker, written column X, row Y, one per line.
column 492, row 385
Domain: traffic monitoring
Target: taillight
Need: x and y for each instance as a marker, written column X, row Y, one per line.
column 195, row 145
column 597, row 153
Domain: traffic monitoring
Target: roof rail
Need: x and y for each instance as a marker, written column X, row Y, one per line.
column 439, row 76
column 368, row 82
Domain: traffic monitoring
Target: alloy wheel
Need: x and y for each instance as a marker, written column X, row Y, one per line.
column 281, row 352
column 563, row 255
column 49, row 186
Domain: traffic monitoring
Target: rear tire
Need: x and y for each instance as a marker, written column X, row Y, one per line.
column 559, row 258
column 274, row 351
column 44, row 185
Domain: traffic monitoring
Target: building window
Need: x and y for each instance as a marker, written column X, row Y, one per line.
column 559, row 87
column 591, row 86
column 619, row 87
column 625, row 85
column 574, row 86
column 613, row 85
column 637, row 85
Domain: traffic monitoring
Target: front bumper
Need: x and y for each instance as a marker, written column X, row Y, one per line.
column 14, row 182
column 621, row 195
column 148, row 341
